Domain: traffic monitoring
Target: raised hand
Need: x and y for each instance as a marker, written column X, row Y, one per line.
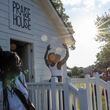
column 48, row 47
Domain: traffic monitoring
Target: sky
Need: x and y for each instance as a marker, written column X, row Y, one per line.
column 83, row 14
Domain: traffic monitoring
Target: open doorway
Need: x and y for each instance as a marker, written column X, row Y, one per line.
column 25, row 51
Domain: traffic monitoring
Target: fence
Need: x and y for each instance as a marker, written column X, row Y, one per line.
column 98, row 91
column 74, row 94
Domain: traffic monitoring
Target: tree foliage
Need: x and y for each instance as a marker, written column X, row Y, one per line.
column 76, row 72
column 103, row 26
column 58, row 5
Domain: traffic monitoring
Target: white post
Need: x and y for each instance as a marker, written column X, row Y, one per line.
column 61, row 100
column 46, row 105
column 49, row 100
column 39, row 99
column 89, row 96
column 108, row 92
column 99, row 97
column 44, row 97
column 66, row 95
column 75, row 103
column 83, row 100
column 54, row 93
column 32, row 95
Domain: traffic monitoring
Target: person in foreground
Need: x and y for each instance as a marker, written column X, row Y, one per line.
column 13, row 91
column 55, row 63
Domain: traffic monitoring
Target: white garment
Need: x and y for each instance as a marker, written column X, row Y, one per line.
column 55, row 71
column 14, row 101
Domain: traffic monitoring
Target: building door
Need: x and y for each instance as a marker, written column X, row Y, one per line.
column 25, row 51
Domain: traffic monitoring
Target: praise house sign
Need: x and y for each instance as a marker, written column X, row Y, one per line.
column 20, row 15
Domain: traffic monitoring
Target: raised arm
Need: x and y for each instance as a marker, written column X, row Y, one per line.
column 45, row 56
column 63, row 61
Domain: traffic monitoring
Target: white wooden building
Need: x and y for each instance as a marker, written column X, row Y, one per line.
column 25, row 22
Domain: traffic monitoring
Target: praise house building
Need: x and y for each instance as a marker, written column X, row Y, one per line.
column 32, row 25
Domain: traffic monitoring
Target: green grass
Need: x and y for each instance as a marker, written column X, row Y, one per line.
column 103, row 103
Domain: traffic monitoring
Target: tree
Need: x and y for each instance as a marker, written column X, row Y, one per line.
column 103, row 58
column 58, row 5
column 103, row 26
column 76, row 72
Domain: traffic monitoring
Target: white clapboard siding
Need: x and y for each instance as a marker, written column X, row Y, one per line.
column 4, row 41
column 44, row 27
column 4, row 6
column 3, row 14
column 4, row 2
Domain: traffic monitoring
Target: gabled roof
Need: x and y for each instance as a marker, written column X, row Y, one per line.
column 65, row 33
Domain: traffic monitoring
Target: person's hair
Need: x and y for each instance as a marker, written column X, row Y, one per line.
column 51, row 53
column 58, row 55
column 9, row 62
